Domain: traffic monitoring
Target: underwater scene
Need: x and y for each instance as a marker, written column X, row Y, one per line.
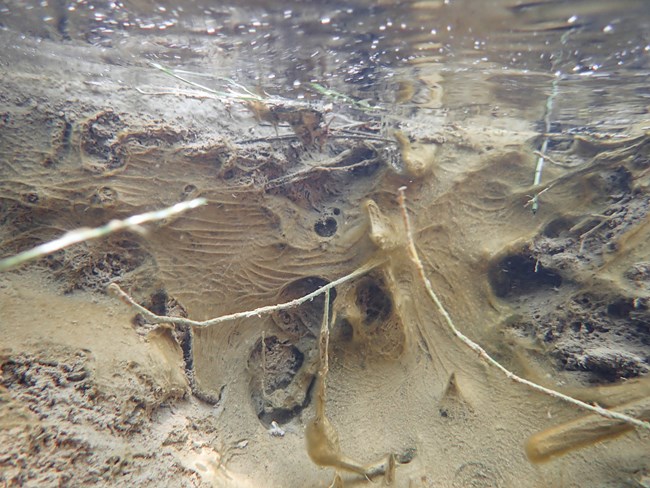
column 325, row 244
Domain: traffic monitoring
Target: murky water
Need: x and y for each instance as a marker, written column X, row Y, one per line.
column 521, row 130
column 595, row 53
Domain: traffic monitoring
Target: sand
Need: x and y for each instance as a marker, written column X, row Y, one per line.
column 92, row 395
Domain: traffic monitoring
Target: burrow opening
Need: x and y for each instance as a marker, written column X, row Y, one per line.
column 373, row 301
column 305, row 319
column 274, row 364
column 520, row 274
column 326, row 227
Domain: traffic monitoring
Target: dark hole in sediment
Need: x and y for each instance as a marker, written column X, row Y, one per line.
column 517, row 275
column 559, row 227
column 620, row 308
column 306, row 318
column 373, row 301
column 158, row 302
column 345, row 330
column 326, row 227
column 274, row 363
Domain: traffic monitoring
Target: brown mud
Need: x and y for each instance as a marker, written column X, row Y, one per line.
column 92, row 395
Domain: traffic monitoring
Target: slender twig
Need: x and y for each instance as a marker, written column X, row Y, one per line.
column 538, row 175
column 333, row 94
column 347, row 130
column 288, row 137
column 220, row 78
column 177, row 93
column 264, row 365
column 480, row 351
column 248, row 95
column 280, row 137
column 534, row 198
column 162, row 319
column 591, row 231
column 327, row 167
column 586, row 221
column 362, row 136
column 551, row 160
column 550, row 102
column 87, row 234
column 323, row 348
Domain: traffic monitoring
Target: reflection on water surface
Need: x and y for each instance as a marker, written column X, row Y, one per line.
column 362, row 47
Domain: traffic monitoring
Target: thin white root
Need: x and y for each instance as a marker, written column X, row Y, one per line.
column 162, row 319
column 323, row 346
column 481, row 352
column 85, row 234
